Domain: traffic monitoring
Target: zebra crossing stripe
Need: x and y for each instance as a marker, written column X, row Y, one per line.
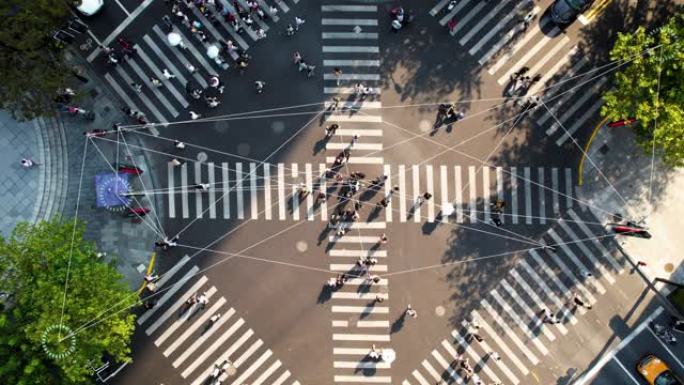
column 198, row 193
column 500, row 189
column 444, row 20
column 444, row 192
column 347, row 90
column 568, row 188
column 431, row 370
column 580, row 121
column 510, row 53
column 353, row 118
column 592, row 237
column 472, row 193
column 569, row 273
column 344, row 267
column 547, row 291
column 445, row 365
column 184, row 190
column 212, row 190
column 295, row 193
column 357, row 146
column 350, row 63
column 360, row 365
column 388, row 191
column 358, row 253
column 161, row 55
column 268, row 214
column 350, row 351
column 528, row 195
column 483, row 20
column 349, row 8
column 359, row 225
column 367, row 379
column 459, row 194
column 281, row 191
column 582, row 268
column 504, row 348
column 402, row 194
column 265, row 8
column 564, row 100
column 588, row 253
column 176, row 305
column 416, row 193
column 244, row 25
column 431, row 190
column 239, row 191
column 495, row 30
column 172, row 194
column 538, row 322
column 267, row 373
column 350, row 49
column 361, row 309
column 529, row 54
column 253, row 193
column 323, row 205
column 556, row 66
column 225, row 197
column 349, row 35
column 539, row 304
column 235, row 36
column 282, row 5
column 374, row 324
column 554, row 187
column 516, row 318
column 184, row 319
column 176, row 51
column 197, row 55
column 282, row 378
column 359, row 296
column 361, row 337
column 158, row 73
column 542, row 195
column 358, row 131
column 339, row 323
column 351, row 77
column 420, row 378
column 351, row 22
column 551, row 53
column 248, row 353
column 514, row 195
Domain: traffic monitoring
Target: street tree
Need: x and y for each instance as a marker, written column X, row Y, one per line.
column 650, row 87
column 63, row 308
column 32, row 65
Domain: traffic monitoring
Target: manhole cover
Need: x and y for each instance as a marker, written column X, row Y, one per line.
column 604, row 149
column 202, row 156
column 669, row 268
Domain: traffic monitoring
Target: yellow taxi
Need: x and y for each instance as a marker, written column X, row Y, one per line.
column 656, row 372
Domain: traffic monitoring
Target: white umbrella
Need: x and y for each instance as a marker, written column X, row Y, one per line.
column 212, row 51
column 447, row 209
column 389, row 355
column 174, row 38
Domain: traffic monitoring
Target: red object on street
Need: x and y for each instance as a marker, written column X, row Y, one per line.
column 620, row 123
column 641, row 263
column 130, row 170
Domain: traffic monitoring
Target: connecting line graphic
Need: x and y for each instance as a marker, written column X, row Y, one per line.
column 158, row 231
column 450, row 149
column 625, row 204
column 73, row 239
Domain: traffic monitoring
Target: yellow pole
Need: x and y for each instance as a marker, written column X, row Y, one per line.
column 580, row 169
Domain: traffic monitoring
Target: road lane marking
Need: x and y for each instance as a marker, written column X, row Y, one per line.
column 239, row 190
column 212, row 190
column 542, row 195
column 172, row 192
column 225, row 197
column 268, row 204
column 254, row 207
column 402, row 193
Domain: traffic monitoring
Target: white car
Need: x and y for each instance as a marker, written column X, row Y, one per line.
column 89, row 7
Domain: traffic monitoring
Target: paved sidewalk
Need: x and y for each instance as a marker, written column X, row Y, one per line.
column 615, row 153
column 51, row 189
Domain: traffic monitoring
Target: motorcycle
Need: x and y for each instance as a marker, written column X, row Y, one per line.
column 663, row 333
column 631, row 229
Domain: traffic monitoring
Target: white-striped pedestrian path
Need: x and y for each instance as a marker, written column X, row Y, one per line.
column 194, row 344
column 240, row 190
column 170, row 101
column 495, row 34
column 510, row 319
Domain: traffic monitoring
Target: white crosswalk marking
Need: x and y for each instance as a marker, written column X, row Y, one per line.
column 416, row 193
column 294, row 168
column 538, row 302
column 268, row 206
column 158, row 74
column 183, row 319
column 521, row 346
column 500, row 189
column 445, row 365
column 323, row 205
column 558, row 302
column 254, row 207
column 472, row 191
column 592, row 238
column 281, row 192
column 431, row 191
column 568, row 188
column 554, row 188
column 212, row 190
column 569, row 112
column 172, row 193
column 482, row 21
column 184, row 191
column 444, row 191
column 570, row 274
column 564, row 290
column 179, row 56
column 471, row 352
column 198, row 192
column 387, row 171
column 402, row 193
column 493, row 31
column 239, row 190
column 510, row 53
column 350, row 49
column 530, row 313
column 145, row 80
column 267, row 373
column 420, row 378
column 174, row 308
column 351, row 63
column 516, row 318
column 580, row 121
column 226, row 190
column 588, row 253
column 528, row 195
column 352, row 22
column 578, row 264
column 550, row 73
column 486, row 192
column 204, row 337
column 458, row 189
column 514, row 195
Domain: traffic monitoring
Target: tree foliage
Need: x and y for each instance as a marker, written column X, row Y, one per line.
column 31, row 65
column 650, row 87
column 34, row 263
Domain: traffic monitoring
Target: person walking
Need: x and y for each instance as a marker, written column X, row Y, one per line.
column 411, row 312
column 28, row 163
column 175, row 162
column 214, row 318
column 297, row 57
column 549, row 317
column 191, row 68
column 137, row 87
column 179, row 145
column 202, row 300
column 383, row 238
column 201, row 186
column 298, row 22
column 494, row 355
column 338, row 74
column 155, row 82
column 259, row 84
column 194, row 115
column 578, row 301
column 168, row 75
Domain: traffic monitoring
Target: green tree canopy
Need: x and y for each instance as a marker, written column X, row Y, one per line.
column 651, row 87
column 34, row 263
column 31, row 65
